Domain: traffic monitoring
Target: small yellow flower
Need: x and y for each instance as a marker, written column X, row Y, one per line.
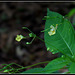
column 53, row 30
column 19, row 38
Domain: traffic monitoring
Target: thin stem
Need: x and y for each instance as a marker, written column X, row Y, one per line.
column 40, row 39
column 33, row 65
column 45, row 30
column 25, row 37
column 9, row 65
column 28, row 66
column 33, row 33
column 27, row 29
column 32, row 40
column 17, row 64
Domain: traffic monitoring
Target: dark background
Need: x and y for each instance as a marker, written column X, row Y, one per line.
column 14, row 16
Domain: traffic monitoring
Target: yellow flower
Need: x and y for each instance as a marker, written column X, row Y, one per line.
column 53, row 30
column 19, row 38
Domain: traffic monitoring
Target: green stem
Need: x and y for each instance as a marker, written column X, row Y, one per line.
column 40, row 39
column 33, row 65
column 32, row 40
column 27, row 29
column 45, row 30
column 28, row 66
column 9, row 65
column 33, row 33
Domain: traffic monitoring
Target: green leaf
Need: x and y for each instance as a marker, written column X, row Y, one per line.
column 56, row 64
column 71, row 13
column 63, row 39
column 72, row 68
column 34, row 70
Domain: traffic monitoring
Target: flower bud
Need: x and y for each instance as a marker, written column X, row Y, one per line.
column 19, row 38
